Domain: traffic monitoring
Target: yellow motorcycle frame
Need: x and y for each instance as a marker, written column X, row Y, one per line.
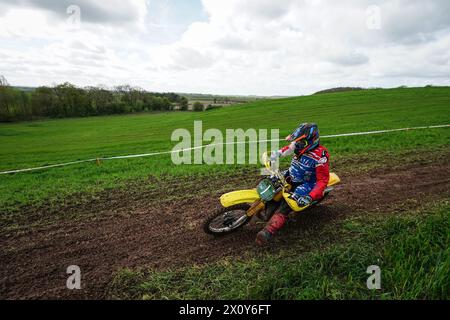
column 257, row 204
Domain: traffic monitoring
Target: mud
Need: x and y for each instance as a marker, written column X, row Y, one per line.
column 148, row 231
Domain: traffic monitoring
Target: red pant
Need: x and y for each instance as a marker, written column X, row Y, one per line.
column 277, row 222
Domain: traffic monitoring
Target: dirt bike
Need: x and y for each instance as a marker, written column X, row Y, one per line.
column 239, row 207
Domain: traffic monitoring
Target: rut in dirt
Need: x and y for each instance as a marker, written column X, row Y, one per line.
column 169, row 234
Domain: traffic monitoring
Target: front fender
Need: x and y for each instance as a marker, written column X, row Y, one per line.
column 237, row 197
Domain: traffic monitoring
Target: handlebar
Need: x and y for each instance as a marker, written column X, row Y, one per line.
column 273, row 170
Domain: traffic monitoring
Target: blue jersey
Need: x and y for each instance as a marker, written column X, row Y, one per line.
column 310, row 172
column 303, row 170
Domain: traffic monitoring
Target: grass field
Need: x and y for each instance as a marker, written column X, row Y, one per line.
column 54, row 141
column 392, row 208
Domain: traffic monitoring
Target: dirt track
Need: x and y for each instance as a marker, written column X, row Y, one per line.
column 160, row 235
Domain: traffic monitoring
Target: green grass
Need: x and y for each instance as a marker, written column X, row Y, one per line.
column 47, row 142
column 412, row 251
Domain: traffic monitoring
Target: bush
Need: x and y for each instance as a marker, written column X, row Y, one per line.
column 211, row 107
column 184, row 104
column 198, row 106
column 14, row 105
column 66, row 100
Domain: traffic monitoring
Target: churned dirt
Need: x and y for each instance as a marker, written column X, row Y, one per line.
column 132, row 229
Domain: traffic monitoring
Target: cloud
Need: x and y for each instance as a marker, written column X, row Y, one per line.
column 415, row 21
column 100, row 12
column 265, row 47
column 350, row 59
column 189, row 58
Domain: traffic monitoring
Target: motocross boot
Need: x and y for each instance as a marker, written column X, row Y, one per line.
column 263, row 238
column 276, row 223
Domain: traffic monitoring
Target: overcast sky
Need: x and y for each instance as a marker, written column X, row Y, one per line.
column 262, row 47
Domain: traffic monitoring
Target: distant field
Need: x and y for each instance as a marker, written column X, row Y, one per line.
column 221, row 98
column 220, row 101
column 54, row 141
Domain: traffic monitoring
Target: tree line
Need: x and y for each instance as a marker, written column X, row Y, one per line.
column 66, row 100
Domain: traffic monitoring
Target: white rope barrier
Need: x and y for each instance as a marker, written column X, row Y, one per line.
column 212, row 145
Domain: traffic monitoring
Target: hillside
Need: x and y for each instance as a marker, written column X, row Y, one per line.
column 134, row 225
column 46, row 142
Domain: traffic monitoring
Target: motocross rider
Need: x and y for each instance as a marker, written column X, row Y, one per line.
column 308, row 174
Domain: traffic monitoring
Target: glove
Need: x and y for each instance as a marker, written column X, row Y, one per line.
column 275, row 155
column 287, row 176
column 304, row 201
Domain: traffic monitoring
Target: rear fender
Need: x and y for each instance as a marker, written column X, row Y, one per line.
column 334, row 180
column 292, row 203
column 238, row 197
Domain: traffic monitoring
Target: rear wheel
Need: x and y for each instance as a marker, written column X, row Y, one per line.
column 227, row 220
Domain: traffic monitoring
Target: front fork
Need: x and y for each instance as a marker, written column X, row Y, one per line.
column 256, row 208
column 259, row 205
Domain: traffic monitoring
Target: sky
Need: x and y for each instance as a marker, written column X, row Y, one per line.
column 240, row 47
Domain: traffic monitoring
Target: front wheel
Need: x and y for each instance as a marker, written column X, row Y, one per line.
column 227, row 220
